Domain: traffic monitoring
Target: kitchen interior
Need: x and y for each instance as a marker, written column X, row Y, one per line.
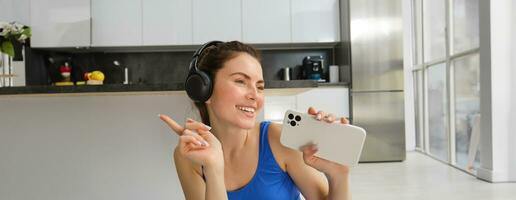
column 79, row 99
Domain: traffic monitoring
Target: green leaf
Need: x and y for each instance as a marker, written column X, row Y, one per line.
column 27, row 31
column 7, row 48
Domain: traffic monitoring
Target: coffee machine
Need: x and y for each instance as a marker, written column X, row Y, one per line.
column 312, row 68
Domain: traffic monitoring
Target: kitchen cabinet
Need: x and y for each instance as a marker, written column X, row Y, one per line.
column 100, row 23
column 328, row 99
column 334, row 100
column 167, row 22
column 97, row 146
column 116, row 22
column 217, row 20
column 315, row 21
column 60, row 23
column 263, row 23
column 275, row 106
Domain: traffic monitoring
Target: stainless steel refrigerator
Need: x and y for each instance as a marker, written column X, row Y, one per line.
column 373, row 48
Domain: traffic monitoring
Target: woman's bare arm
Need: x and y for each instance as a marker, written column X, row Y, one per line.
column 191, row 181
column 197, row 147
column 315, row 177
column 194, row 187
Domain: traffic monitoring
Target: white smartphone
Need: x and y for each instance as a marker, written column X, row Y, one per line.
column 340, row 143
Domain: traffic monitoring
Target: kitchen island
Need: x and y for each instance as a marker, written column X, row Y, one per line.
column 107, row 142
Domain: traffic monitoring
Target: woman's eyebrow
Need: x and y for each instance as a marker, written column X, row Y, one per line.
column 245, row 76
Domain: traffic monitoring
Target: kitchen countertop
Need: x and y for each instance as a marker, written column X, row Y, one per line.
column 119, row 88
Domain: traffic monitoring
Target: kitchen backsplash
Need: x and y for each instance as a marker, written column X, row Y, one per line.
column 151, row 67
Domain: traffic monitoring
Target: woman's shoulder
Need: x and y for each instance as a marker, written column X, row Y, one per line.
column 281, row 152
column 274, row 131
column 275, row 136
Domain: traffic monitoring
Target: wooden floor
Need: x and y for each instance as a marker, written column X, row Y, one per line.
column 420, row 177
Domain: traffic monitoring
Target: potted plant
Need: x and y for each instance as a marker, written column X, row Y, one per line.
column 12, row 36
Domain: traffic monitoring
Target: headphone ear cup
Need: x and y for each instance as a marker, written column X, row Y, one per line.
column 199, row 86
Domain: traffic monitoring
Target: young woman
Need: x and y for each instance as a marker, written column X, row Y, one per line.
column 231, row 156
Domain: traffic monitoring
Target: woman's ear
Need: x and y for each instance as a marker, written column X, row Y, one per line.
column 208, row 101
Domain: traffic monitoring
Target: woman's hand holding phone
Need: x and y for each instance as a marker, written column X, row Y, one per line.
column 197, row 143
column 331, row 169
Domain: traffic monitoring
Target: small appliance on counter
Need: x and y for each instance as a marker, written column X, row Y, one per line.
column 312, row 68
column 65, row 71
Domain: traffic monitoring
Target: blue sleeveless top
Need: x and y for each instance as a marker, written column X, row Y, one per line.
column 269, row 180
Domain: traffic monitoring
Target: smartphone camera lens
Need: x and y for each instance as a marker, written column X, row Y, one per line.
column 293, row 123
column 298, row 118
column 290, row 116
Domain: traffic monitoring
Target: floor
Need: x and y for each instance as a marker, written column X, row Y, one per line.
column 421, row 177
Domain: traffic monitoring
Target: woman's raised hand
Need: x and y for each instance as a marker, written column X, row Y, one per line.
column 309, row 150
column 196, row 142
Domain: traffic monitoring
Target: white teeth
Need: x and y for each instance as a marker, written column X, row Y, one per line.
column 247, row 109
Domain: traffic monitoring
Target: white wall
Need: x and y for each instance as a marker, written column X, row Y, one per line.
column 15, row 10
column 498, row 93
column 410, row 129
column 512, row 136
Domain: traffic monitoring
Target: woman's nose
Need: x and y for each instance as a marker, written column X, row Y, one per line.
column 253, row 93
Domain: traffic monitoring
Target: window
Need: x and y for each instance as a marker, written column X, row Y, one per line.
column 445, row 77
column 437, row 99
column 467, row 104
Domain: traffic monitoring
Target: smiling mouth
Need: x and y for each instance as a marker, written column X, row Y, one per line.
column 246, row 109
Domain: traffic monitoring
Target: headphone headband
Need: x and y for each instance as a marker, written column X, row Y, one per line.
column 197, row 54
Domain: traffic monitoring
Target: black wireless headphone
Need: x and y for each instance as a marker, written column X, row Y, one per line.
column 198, row 84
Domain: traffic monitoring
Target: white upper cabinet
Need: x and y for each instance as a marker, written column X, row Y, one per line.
column 60, row 23
column 315, row 21
column 217, row 20
column 116, row 22
column 167, row 22
column 266, row 21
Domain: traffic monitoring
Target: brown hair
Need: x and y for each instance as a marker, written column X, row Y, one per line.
column 212, row 60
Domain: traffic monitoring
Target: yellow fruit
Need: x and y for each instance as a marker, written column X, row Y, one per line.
column 96, row 75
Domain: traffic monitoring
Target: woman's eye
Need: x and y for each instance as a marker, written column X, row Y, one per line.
column 239, row 81
column 261, row 88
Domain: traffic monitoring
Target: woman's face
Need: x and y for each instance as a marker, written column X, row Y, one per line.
column 238, row 92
